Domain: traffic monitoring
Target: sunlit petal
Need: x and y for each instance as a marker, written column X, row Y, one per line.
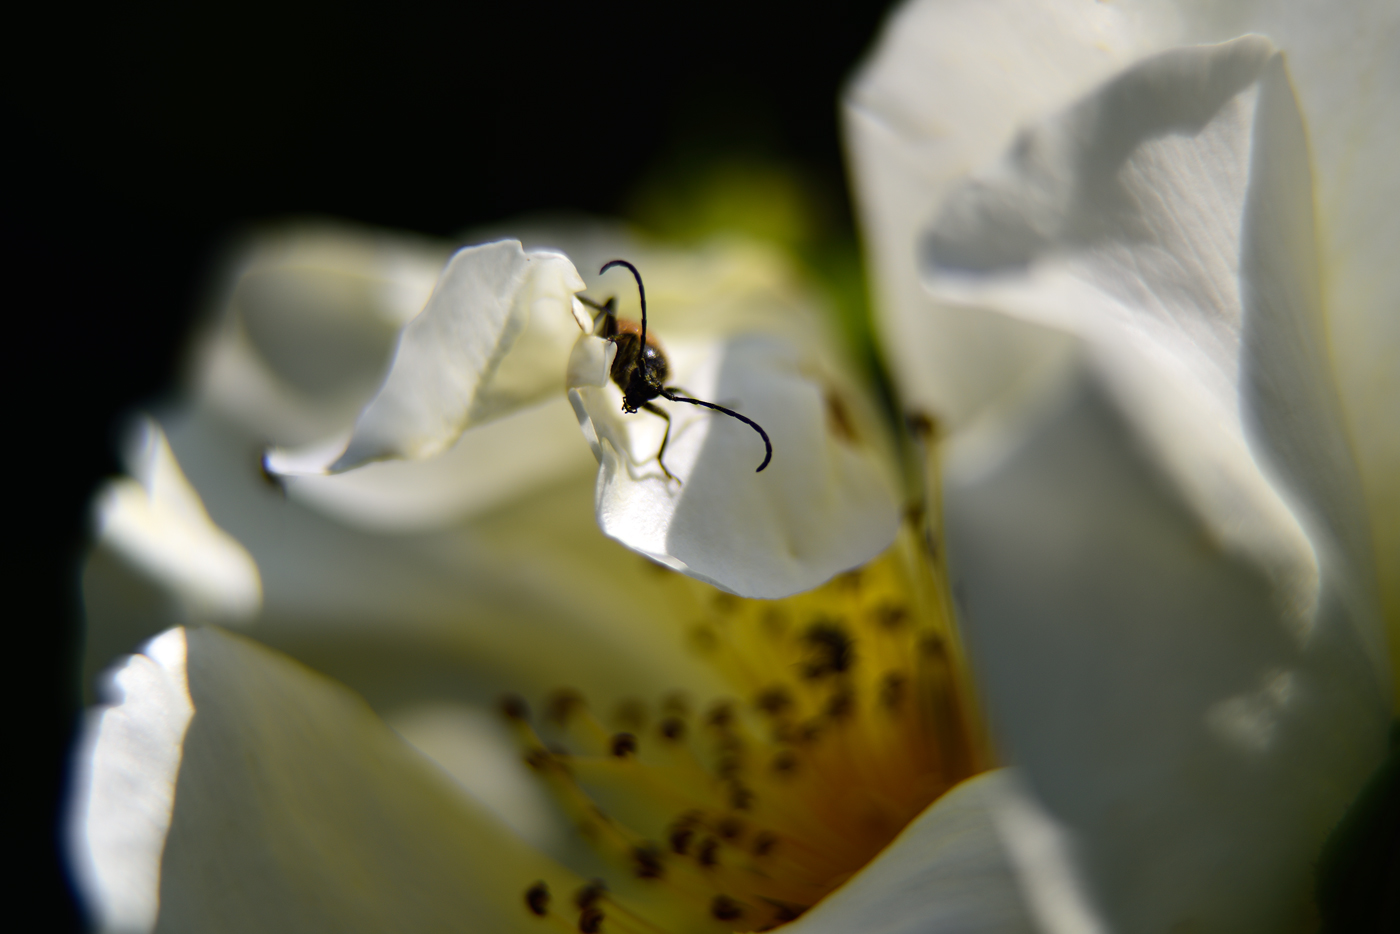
column 124, row 786
column 293, row 808
column 823, row 505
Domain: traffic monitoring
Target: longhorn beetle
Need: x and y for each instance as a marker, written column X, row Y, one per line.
column 640, row 368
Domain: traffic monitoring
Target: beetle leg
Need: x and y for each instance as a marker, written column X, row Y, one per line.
column 655, row 409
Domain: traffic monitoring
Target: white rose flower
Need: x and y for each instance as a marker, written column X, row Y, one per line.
column 1123, row 255
column 1098, row 265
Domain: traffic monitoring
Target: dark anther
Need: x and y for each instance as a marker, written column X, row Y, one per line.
column 834, row 651
column 785, row 911
column 931, row 645
column 631, row 714
column 591, row 921
column 513, row 707
column 891, row 615
column 623, row 745
column 721, row 715
column 785, row 762
column 892, row 689
column 708, row 854
column 680, row 839
column 647, row 861
column 537, row 899
column 588, row 896
column 730, row 828
column 538, row 759
column 763, row 843
column 811, row 731
column 725, row 908
column 838, row 417
column 563, row 703
column 840, row 704
column 673, row 728
column 740, row 798
column 774, row 700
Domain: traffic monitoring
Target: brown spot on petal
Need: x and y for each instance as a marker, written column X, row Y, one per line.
column 838, row 418
column 725, row 908
column 591, row 921
column 537, row 899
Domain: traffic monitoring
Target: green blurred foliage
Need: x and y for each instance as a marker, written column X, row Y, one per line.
column 698, row 197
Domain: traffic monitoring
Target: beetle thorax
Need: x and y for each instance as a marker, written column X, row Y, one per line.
column 639, row 381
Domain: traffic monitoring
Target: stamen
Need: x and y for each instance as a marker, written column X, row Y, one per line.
column 537, row 898
column 852, row 720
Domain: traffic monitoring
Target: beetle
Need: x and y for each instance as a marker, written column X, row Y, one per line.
column 640, row 368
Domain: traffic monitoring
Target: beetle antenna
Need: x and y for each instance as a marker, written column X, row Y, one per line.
column 642, row 293
column 767, row 445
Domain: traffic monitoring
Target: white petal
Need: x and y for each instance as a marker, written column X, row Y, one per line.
column 490, row 466
column 949, row 872
column 472, row 744
column 307, row 322
column 824, row 504
column 157, row 523
column 124, row 786
column 1147, row 678
column 527, row 597
column 953, row 81
column 1344, row 65
column 948, row 86
column 494, row 336
column 1166, row 222
column 294, row 807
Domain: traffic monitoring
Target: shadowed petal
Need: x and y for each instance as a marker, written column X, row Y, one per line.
column 156, row 521
column 1149, row 680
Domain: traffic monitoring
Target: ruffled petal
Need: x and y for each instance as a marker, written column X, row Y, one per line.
column 944, row 92
column 1165, row 223
column 494, row 337
column 952, row 82
column 823, row 505
column 1154, row 531
column 1344, row 65
column 294, row 808
column 306, row 325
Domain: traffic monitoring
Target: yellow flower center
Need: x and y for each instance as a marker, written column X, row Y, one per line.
column 850, row 715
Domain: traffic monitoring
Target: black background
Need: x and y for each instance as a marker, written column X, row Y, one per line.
column 139, row 139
